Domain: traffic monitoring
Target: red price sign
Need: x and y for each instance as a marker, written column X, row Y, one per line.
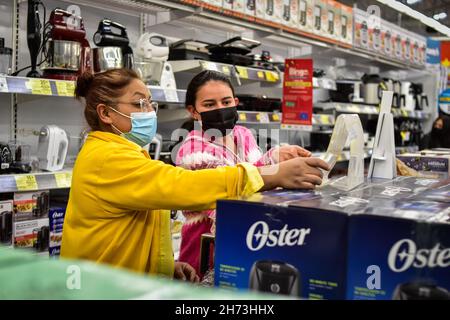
column 298, row 94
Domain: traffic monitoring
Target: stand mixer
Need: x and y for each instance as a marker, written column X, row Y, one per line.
column 114, row 51
column 151, row 63
column 68, row 52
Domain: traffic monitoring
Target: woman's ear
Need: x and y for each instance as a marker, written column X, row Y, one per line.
column 236, row 102
column 193, row 112
column 104, row 114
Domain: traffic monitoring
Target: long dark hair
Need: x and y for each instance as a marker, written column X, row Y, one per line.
column 200, row 80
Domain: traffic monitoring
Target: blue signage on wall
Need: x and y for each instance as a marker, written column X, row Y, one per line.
column 433, row 51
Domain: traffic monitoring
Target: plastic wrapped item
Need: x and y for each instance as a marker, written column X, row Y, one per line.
column 347, row 128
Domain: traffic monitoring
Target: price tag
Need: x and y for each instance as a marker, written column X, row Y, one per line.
column 226, row 70
column 65, row 89
column 63, row 179
column 260, row 75
column 242, row 117
column 271, row 76
column 26, row 182
column 324, row 119
column 3, row 84
column 276, row 117
column 171, row 95
column 404, row 113
column 40, row 86
column 264, row 117
column 243, row 72
column 209, row 66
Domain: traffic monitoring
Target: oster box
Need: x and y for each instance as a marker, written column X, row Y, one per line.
column 391, row 258
column 56, row 221
column 280, row 249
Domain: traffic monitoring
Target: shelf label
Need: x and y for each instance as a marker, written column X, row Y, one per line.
column 260, row 75
column 26, row 182
column 66, row 89
column 3, row 84
column 276, row 117
column 39, row 86
column 272, row 76
column 226, row 70
column 243, row 72
column 209, row 66
column 404, row 113
column 63, row 179
column 264, row 117
column 324, row 119
column 171, row 95
column 242, row 117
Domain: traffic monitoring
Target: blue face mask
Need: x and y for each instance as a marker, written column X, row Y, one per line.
column 143, row 127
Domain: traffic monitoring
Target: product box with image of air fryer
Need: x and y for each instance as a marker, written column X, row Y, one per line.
column 286, row 250
column 6, row 221
column 260, row 9
column 56, row 221
column 361, row 29
column 286, row 14
column 396, row 258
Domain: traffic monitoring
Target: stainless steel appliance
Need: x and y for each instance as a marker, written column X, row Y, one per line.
column 106, row 58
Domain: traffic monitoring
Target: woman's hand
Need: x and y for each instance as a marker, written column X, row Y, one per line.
column 297, row 173
column 288, row 152
column 184, row 271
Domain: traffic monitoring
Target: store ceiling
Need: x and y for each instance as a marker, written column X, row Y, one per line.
column 427, row 7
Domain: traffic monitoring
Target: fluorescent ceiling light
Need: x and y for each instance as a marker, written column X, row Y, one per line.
column 412, row 1
column 400, row 7
column 440, row 16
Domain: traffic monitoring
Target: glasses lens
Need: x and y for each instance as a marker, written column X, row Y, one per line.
column 147, row 106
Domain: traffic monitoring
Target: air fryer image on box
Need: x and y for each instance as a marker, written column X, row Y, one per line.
column 275, row 277
column 420, row 291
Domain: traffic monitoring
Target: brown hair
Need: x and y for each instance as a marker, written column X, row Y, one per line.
column 102, row 87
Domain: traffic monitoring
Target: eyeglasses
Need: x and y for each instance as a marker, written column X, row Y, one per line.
column 144, row 104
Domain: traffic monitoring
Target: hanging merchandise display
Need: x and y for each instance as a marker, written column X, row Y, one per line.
column 297, row 94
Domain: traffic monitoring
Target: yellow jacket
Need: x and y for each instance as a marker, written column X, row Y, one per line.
column 112, row 215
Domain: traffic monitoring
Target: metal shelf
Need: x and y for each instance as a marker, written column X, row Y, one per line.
column 368, row 109
column 244, row 73
column 62, row 88
column 35, row 181
column 256, row 117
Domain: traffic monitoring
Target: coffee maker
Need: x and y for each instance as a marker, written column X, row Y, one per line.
column 421, row 98
column 275, row 277
column 111, row 44
column 68, row 53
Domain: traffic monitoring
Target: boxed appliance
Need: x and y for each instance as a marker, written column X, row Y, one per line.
column 346, row 24
column 387, row 39
column 399, row 258
column 333, row 21
column 361, row 31
column 294, row 14
column 318, row 12
column 260, row 9
column 6, row 221
column 397, row 39
column 215, row 3
column 285, row 250
column 250, row 8
column 428, row 161
column 227, row 4
column 306, row 15
column 56, row 222
column 30, row 226
column 239, row 5
column 278, row 11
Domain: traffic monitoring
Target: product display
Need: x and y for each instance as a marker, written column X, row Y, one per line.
column 52, row 148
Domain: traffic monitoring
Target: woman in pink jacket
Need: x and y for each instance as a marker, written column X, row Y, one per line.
column 211, row 101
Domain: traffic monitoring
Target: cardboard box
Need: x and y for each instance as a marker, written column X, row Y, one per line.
column 294, row 14
column 346, row 33
column 250, row 8
column 239, row 6
column 56, row 222
column 427, row 162
column 278, row 11
column 333, row 21
column 398, row 44
column 394, row 258
column 306, row 15
column 32, row 233
column 387, row 39
column 28, row 205
column 227, row 4
column 6, row 221
column 361, row 25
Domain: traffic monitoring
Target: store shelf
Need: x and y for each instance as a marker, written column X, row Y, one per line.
column 62, row 88
column 35, row 181
column 244, row 73
column 410, row 149
column 367, row 109
column 256, row 117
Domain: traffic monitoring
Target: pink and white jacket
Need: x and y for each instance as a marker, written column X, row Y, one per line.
column 198, row 152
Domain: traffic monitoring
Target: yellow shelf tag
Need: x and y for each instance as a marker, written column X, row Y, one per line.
column 26, row 182
column 275, row 117
column 66, row 89
column 260, row 74
column 242, row 117
column 63, row 179
column 324, row 119
column 40, row 86
column 243, row 72
column 271, row 76
column 226, row 70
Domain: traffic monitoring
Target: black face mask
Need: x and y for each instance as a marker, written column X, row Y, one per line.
column 221, row 119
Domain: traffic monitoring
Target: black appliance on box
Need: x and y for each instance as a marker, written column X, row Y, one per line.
column 234, row 51
column 248, row 102
column 42, row 204
column 275, row 277
column 420, row 291
column 5, row 227
column 6, row 158
column 189, row 50
column 42, row 238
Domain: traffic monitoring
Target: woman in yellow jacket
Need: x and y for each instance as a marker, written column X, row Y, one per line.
column 115, row 212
